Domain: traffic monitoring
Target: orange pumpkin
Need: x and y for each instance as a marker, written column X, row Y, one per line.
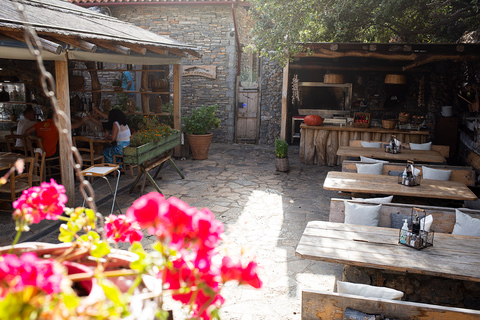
column 313, row 120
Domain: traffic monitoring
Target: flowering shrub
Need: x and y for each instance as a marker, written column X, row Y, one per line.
column 150, row 130
column 186, row 258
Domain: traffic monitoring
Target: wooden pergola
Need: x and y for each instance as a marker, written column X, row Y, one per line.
column 69, row 32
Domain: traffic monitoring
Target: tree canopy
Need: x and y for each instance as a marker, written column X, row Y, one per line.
column 281, row 25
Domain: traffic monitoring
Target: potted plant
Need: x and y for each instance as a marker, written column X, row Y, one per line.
column 281, row 152
column 197, row 127
column 14, row 110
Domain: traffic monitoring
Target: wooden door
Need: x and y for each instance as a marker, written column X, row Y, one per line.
column 247, row 127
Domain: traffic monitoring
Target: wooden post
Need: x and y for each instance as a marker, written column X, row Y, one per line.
column 177, row 103
column 144, row 87
column 63, row 100
column 283, row 123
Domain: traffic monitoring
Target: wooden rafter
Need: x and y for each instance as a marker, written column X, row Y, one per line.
column 434, row 58
column 137, row 49
column 76, row 42
column 47, row 45
column 325, row 53
column 157, row 50
column 112, row 46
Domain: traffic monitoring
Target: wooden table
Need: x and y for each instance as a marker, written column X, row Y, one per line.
column 451, row 256
column 7, row 158
column 405, row 154
column 388, row 185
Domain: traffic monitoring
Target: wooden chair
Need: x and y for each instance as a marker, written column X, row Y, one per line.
column 11, row 140
column 13, row 130
column 50, row 162
column 118, row 159
column 88, row 154
column 19, row 182
column 38, row 166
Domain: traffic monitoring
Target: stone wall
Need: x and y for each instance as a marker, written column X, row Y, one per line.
column 208, row 27
column 271, row 101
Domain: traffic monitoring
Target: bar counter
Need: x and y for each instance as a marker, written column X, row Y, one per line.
column 319, row 144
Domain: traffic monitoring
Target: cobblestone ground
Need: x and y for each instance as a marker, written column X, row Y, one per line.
column 264, row 213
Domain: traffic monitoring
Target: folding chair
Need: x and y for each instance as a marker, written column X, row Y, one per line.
column 102, row 170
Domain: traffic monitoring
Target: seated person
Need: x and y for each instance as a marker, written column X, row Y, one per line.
column 120, row 132
column 24, row 124
column 49, row 134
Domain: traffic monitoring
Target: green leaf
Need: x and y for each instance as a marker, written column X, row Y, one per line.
column 100, row 249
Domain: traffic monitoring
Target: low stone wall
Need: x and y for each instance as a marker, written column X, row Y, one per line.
column 420, row 288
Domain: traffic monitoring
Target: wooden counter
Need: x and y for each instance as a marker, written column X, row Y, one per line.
column 319, row 144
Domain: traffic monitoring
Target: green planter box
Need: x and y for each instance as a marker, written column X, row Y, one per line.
column 140, row 154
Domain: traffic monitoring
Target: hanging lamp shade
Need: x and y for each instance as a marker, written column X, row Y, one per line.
column 395, row 79
column 333, row 78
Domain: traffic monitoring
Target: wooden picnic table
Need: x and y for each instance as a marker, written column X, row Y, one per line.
column 451, row 256
column 405, row 154
column 388, row 185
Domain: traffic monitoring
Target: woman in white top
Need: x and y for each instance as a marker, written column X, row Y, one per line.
column 120, row 133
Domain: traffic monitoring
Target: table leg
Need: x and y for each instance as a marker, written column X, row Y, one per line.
column 176, row 168
column 158, row 170
column 142, row 170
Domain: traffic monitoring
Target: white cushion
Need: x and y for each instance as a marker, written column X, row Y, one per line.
column 362, row 214
column 421, row 146
column 375, row 200
column 466, row 225
column 435, row 174
column 368, row 291
column 367, row 144
column 426, row 223
column 371, row 160
column 371, row 168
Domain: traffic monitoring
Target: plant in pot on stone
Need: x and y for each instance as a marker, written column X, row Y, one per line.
column 281, row 152
column 197, row 127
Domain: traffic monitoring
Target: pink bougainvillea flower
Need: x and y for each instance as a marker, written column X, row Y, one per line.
column 27, row 270
column 120, row 228
column 46, row 201
column 145, row 209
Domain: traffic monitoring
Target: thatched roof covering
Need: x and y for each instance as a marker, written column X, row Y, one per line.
column 84, row 33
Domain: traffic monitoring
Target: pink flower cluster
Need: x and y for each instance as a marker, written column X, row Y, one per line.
column 46, row 201
column 120, row 228
column 16, row 273
column 194, row 277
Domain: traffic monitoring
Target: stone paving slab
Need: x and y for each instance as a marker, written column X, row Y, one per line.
column 264, row 212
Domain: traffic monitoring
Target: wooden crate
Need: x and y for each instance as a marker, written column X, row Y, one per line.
column 361, row 119
column 140, row 154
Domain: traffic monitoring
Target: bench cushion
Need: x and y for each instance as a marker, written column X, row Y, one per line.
column 367, row 144
column 435, row 174
column 375, row 200
column 370, row 168
column 365, row 290
column 365, row 215
column 371, row 160
column 421, row 146
column 466, row 225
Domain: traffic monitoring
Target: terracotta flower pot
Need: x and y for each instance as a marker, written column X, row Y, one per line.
column 200, row 144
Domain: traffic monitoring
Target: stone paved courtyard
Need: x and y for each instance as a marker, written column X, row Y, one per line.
column 264, row 213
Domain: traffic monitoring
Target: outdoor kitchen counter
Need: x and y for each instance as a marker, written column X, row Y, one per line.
column 319, row 144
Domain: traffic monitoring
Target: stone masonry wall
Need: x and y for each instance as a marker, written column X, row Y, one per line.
column 207, row 27
column 271, row 101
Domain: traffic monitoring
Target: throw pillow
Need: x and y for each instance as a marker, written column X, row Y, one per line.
column 368, row 291
column 466, row 225
column 397, row 220
column 426, row 223
column 421, row 146
column 367, row 144
column 435, row 174
column 361, row 214
column 375, row 200
column 371, row 160
column 373, row 168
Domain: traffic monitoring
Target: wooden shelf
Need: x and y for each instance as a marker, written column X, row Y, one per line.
column 113, row 91
column 117, row 70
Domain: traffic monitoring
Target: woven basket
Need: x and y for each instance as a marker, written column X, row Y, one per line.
column 389, row 124
column 395, row 79
column 333, row 78
column 403, row 118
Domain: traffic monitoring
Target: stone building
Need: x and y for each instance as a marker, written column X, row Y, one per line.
column 247, row 89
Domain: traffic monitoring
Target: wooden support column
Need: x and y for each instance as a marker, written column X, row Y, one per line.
column 283, row 123
column 63, row 100
column 144, row 87
column 177, row 103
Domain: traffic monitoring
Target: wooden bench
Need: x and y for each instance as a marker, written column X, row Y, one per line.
column 443, row 217
column 443, row 150
column 465, row 175
column 328, row 305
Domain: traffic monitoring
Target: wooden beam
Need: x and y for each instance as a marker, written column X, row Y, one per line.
column 47, row 45
column 324, row 53
column 112, row 46
column 79, row 43
column 177, row 52
column 341, row 68
column 157, row 50
column 435, row 58
column 63, row 100
column 144, row 87
column 138, row 49
column 177, row 102
column 283, row 123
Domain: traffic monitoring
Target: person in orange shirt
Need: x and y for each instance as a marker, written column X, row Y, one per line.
column 49, row 134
